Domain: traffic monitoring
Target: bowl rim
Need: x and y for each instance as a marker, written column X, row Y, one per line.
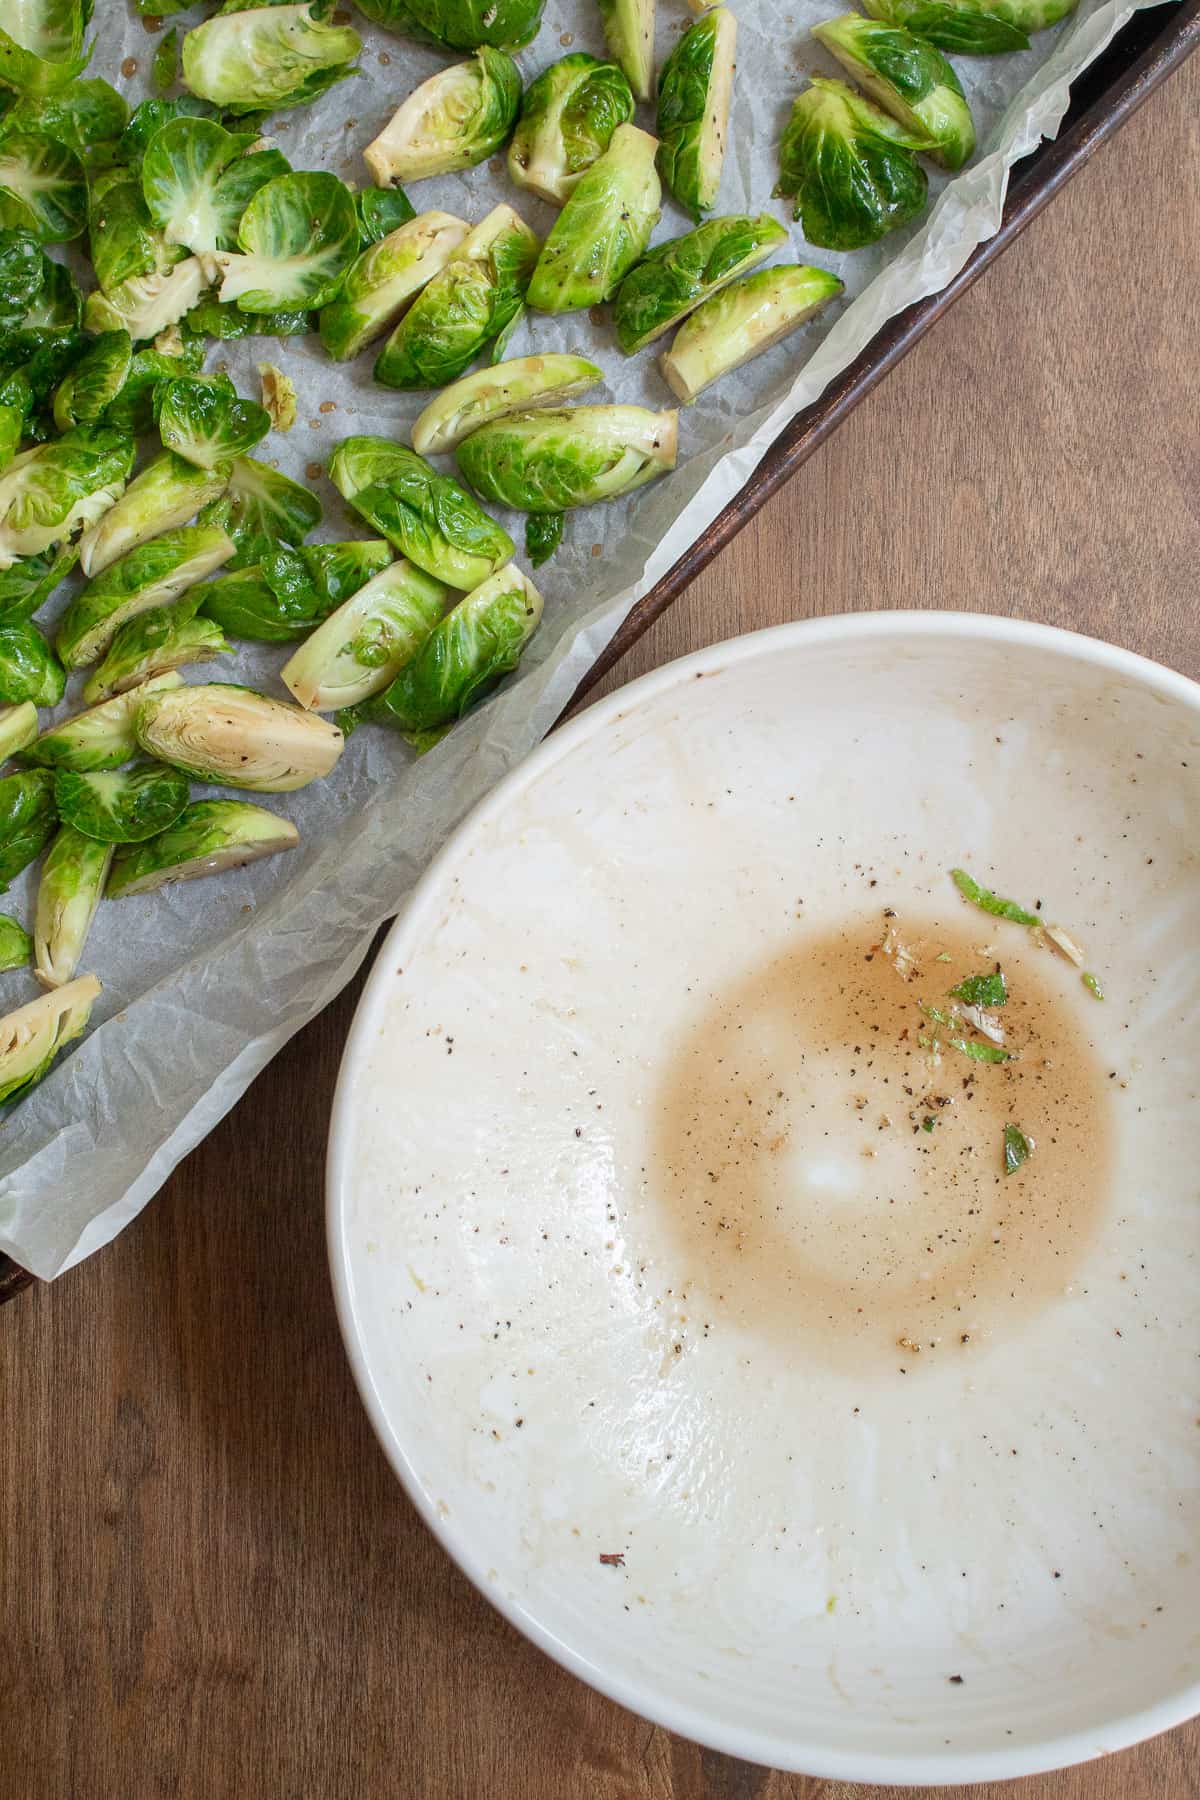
column 936, row 1767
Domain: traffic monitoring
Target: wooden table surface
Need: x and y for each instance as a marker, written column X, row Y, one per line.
column 212, row 1585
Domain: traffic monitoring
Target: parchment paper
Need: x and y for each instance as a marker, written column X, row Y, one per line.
column 204, row 982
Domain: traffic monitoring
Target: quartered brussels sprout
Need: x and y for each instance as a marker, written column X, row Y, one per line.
column 154, row 643
column 147, row 305
column 364, row 645
column 380, row 212
column 88, row 116
column 603, row 229
column 694, row 90
column 43, row 187
column 48, row 492
column 16, row 945
column 258, row 59
column 202, row 419
column 972, row 27
column 850, row 167
column 198, row 179
column 33, row 1036
column 427, row 516
column 472, row 648
column 675, row 277
column 237, row 738
column 18, row 728
column 69, row 889
column 41, row 45
column 218, row 319
column 629, row 33
column 28, row 816
column 278, row 396
column 494, row 392
column 262, row 510
column 297, row 238
column 101, row 738
column 208, row 837
column 549, row 461
column 741, row 322
column 167, row 493
column 27, row 584
column 382, row 280
column 568, row 117
column 151, row 575
column 543, row 535
column 456, row 119
column 467, row 303
column 288, row 594
column 459, row 24
column 907, row 77
column 95, row 381
column 121, row 806
column 29, row 669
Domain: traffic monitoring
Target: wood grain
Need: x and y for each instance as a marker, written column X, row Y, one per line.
column 213, row 1587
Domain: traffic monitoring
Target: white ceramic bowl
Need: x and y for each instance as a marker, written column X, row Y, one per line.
column 907, row 1544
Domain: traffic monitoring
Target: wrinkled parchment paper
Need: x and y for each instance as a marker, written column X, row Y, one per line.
column 204, row 982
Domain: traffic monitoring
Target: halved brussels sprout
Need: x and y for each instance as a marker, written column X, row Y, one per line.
column 167, row 493
column 121, row 806
column 972, row 27
column 908, row 78
column 549, row 461
column 41, row 44
column 69, row 889
column 427, row 516
column 43, row 187
column 28, row 584
column 380, row 212
column 629, row 33
column 297, row 239
column 21, row 274
column 18, row 728
column 237, row 738
column 364, row 645
column 288, row 594
column 87, row 116
column 28, row 816
column 33, row 1036
column 47, row 493
column 568, row 117
column 850, row 167
column 694, row 90
column 603, row 229
column 147, row 305
column 472, row 648
column 155, row 643
column 151, row 575
column 459, row 24
column 95, row 381
column 213, row 318
column 278, row 396
column 29, row 669
column 466, row 303
column 201, row 418
column 133, row 408
column 262, row 510
column 208, row 837
column 543, row 535
column 495, row 392
column 456, row 119
column 741, row 322
column 673, row 278
column 16, row 945
column 198, row 179
column 258, row 59
column 383, row 279
column 101, row 738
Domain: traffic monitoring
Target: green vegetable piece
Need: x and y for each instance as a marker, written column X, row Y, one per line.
column 258, row 59
column 29, row 669
column 21, row 266
column 121, row 806
column 43, row 187
column 198, row 179
column 87, row 116
column 1017, row 1148
column 989, row 902
column 465, row 655
column 694, row 90
column 603, row 229
column 94, row 382
column 262, row 510
column 36, row 1033
column 1092, row 984
column 16, row 945
column 455, row 120
column 981, row 1052
column 428, row 517
column 743, row 321
column 629, row 33
column 202, row 419
column 41, row 45
column 18, row 728
column 568, row 117
column 214, row 318
column 148, row 118
column 364, row 645
column 675, row 277
column 972, row 27
column 164, row 66
column 48, row 492
column 467, row 302
column 550, row 460
column 495, row 392
column 237, row 738
column 543, row 535
column 101, row 738
column 208, row 837
column 153, row 643
column 380, row 212
column 16, row 409
column 167, row 493
column 383, row 279
column 132, row 410
column 28, row 584
column 58, row 307
column 297, row 239
column 498, row 348
column 151, row 575
column 459, row 24
column 982, row 990
column 909, row 78
column 289, row 593
column 850, row 167
column 69, row 890
column 28, row 816
column 122, row 239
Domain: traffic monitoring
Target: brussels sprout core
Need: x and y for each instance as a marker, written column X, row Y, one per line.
column 492, row 393
column 907, row 77
column 208, row 837
column 32, row 1037
column 742, row 322
column 456, row 119
column 694, row 91
column 235, row 737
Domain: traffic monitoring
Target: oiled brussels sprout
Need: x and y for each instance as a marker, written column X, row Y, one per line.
column 972, row 27
column 34, row 1035
column 257, row 59
column 741, row 322
column 297, row 238
column 427, row 516
column 101, row 738
column 380, row 212
column 629, row 33
column 548, row 461
column 43, row 187
column 543, row 535
column 909, row 78
column 459, row 24
column 850, row 167
column 677, row 276
column 121, row 806
column 382, row 280
column 151, row 575
column 603, row 229
column 146, row 284
column 456, row 119
column 18, row 728
column 225, row 320
column 155, row 643
column 208, row 837
column 492, row 393
column 292, row 590
column 167, row 493
column 202, row 419
column 237, row 738
column 29, row 669
column 262, row 510
column 694, row 91
column 364, row 645
column 69, row 888
column 21, row 275
column 94, row 382
column 568, row 117
column 28, row 816
column 147, row 305
column 16, row 945
column 48, row 492
column 41, row 45
column 28, row 584
column 88, row 116
column 198, row 179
